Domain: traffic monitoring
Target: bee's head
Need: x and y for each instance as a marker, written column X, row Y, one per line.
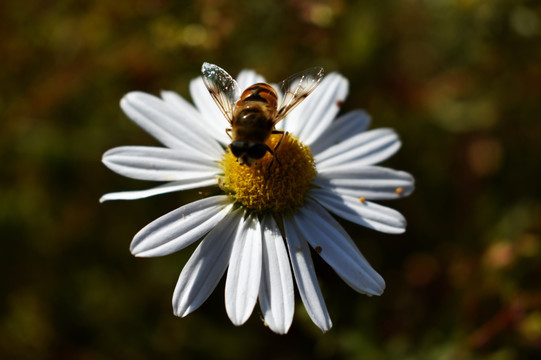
column 248, row 152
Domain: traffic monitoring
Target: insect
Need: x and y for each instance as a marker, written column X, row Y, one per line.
column 254, row 113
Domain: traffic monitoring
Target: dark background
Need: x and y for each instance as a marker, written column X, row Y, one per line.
column 460, row 80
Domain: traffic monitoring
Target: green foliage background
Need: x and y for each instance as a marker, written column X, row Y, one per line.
column 460, row 80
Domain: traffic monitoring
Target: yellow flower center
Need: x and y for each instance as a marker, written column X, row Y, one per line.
column 268, row 185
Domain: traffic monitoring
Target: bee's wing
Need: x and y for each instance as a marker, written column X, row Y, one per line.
column 222, row 87
column 296, row 88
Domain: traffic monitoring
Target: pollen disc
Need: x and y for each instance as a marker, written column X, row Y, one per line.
column 275, row 183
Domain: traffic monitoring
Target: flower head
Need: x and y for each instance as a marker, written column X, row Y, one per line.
column 269, row 214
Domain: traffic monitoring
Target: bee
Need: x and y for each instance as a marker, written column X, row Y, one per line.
column 254, row 113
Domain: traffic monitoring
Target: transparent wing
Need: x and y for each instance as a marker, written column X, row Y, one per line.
column 222, row 87
column 296, row 88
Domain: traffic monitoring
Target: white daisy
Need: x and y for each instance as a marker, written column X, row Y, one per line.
column 263, row 212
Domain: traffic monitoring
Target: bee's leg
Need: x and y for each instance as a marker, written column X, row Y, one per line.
column 272, row 161
column 284, row 133
column 273, row 156
column 276, row 147
column 228, row 132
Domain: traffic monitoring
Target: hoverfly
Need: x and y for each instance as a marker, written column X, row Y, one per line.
column 254, row 113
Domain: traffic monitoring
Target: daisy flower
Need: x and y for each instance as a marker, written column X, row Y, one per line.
column 264, row 218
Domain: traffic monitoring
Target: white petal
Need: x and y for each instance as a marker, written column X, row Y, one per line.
column 214, row 120
column 341, row 129
column 247, row 78
column 305, row 276
column 180, row 105
column 335, row 246
column 206, row 266
column 315, row 114
column 370, row 182
column 365, row 213
column 276, row 296
column 159, row 164
column 157, row 118
column 244, row 274
column 192, row 115
column 158, row 190
column 367, row 148
column 181, row 227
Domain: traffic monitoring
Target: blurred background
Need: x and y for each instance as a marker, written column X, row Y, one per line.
column 460, row 80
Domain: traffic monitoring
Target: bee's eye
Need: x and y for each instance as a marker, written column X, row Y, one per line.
column 239, row 147
column 252, row 150
column 257, row 151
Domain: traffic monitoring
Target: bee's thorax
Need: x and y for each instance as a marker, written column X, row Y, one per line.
column 261, row 93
